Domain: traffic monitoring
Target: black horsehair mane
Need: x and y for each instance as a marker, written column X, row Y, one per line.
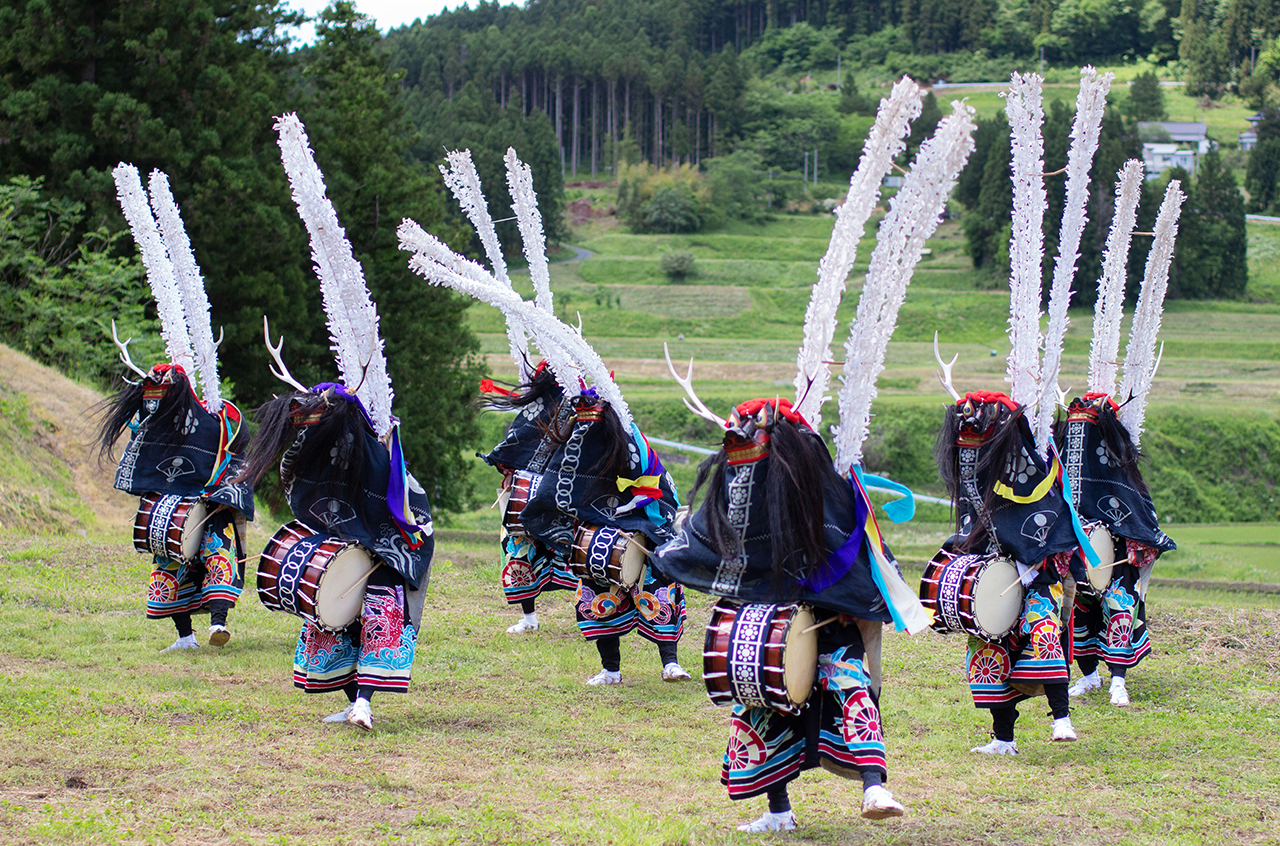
column 1116, row 437
column 991, row 455
column 799, row 469
column 115, row 413
column 277, row 434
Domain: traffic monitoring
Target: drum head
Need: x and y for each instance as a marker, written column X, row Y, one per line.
column 338, row 599
column 800, row 660
column 995, row 613
column 1104, row 546
column 193, row 529
column 634, row 557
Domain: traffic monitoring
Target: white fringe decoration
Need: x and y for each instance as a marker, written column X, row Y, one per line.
column 563, row 346
column 1025, row 111
column 914, row 215
column 1091, row 101
column 1140, row 359
column 164, row 284
column 887, row 139
column 1104, row 352
column 529, row 219
column 464, row 182
column 353, row 318
column 195, row 301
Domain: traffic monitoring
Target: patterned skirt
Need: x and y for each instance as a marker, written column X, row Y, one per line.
column 839, row 729
column 216, row 575
column 1033, row 654
column 532, row 568
column 376, row 651
column 1113, row 626
column 655, row 608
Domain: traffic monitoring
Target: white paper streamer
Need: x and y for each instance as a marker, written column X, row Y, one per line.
column 160, row 273
column 195, row 301
column 353, row 319
column 886, row 140
column 1140, row 356
column 564, row 348
column 529, row 219
column 1091, row 101
column 1025, row 111
column 464, row 182
column 914, row 215
column 1109, row 309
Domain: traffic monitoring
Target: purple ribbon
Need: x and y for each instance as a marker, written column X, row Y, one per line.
column 840, row 562
column 398, row 481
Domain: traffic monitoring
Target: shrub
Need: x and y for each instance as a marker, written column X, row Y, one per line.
column 677, row 265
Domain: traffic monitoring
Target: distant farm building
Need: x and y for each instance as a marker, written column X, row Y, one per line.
column 1170, row 143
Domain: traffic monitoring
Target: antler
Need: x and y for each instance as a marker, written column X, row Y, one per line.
column 283, row 373
column 128, row 362
column 945, row 376
column 1156, row 366
column 698, row 407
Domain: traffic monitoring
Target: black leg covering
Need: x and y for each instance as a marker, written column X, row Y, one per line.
column 779, row 801
column 667, row 651
column 218, row 612
column 182, row 622
column 871, row 778
column 610, row 653
column 1117, row 672
column 365, row 693
column 1002, row 720
column 526, row 605
column 351, row 691
column 1059, row 700
column 1087, row 664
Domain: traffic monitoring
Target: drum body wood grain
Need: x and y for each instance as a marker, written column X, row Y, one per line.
column 972, row 593
column 313, row 576
column 760, row 656
column 608, row 556
column 170, row 526
column 523, row 487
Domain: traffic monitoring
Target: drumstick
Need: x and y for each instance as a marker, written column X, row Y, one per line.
column 820, row 625
column 362, row 579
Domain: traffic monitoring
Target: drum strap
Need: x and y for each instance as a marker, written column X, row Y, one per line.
column 1074, row 464
column 968, row 460
column 729, row 572
column 747, row 642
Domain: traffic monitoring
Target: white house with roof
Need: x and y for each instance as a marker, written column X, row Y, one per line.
column 1157, row 158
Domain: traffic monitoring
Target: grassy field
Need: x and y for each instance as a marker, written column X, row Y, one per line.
column 106, row 740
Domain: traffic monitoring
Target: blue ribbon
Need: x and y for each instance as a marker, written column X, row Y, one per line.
column 1087, row 548
column 898, row 510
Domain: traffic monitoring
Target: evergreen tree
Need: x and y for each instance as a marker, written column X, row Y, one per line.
column 851, row 101
column 361, row 138
column 1146, row 100
column 1210, row 257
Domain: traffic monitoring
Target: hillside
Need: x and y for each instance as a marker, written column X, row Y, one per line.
column 49, row 482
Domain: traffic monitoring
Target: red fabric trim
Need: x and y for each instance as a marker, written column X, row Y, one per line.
column 541, row 366
column 487, row 387
column 781, row 406
column 1099, row 395
column 988, row 396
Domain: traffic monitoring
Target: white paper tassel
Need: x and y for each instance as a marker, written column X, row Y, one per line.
column 164, row 284
column 464, row 182
column 914, row 215
column 353, row 319
column 555, row 339
column 1091, row 101
column 529, row 219
column 1104, row 352
column 1026, row 248
column 886, row 140
column 1140, row 356
column 195, row 301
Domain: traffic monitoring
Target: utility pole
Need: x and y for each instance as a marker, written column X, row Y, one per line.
column 815, row 168
column 1042, row 60
column 805, row 180
column 837, row 71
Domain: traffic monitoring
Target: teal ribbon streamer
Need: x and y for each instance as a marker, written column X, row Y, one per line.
column 1085, row 546
column 899, row 510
